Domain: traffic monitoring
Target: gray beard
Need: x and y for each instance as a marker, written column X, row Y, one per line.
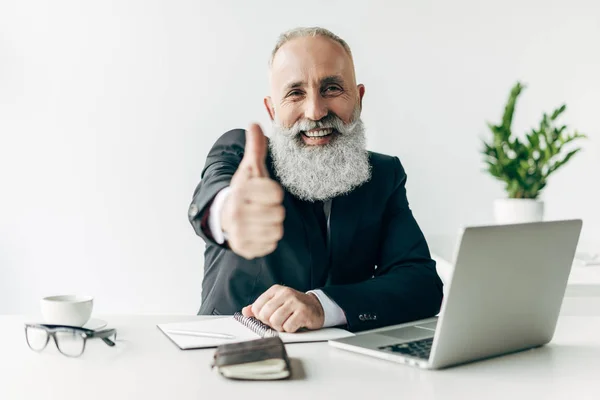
column 316, row 173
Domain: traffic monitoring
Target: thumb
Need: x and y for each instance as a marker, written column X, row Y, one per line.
column 255, row 152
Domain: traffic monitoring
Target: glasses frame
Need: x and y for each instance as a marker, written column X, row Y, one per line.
column 86, row 334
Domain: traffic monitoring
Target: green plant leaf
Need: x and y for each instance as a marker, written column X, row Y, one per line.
column 562, row 162
column 509, row 110
column 574, row 136
column 533, row 139
column 558, row 111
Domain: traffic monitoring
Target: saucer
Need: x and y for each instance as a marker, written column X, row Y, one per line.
column 95, row 324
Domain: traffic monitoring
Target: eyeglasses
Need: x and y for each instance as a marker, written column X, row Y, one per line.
column 69, row 340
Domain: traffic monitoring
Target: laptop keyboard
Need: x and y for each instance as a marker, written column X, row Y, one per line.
column 417, row 349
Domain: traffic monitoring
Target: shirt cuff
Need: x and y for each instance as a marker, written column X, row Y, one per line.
column 214, row 218
column 334, row 315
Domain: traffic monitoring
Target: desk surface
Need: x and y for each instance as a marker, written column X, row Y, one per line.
column 146, row 365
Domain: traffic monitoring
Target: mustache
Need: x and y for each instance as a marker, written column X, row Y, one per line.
column 331, row 120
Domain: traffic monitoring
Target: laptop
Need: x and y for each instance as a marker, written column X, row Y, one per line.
column 504, row 296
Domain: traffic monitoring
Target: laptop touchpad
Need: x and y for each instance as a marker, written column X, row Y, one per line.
column 429, row 325
column 408, row 333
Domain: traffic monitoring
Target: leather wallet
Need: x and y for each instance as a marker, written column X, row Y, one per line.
column 261, row 359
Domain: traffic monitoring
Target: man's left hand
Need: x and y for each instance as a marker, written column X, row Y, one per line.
column 286, row 309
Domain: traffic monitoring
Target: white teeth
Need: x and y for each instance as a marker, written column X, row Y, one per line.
column 319, row 133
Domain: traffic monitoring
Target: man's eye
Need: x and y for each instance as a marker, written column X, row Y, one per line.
column 294, row 93
column 331, row 89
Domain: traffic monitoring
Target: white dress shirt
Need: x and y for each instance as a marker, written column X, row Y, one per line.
column 334, row 315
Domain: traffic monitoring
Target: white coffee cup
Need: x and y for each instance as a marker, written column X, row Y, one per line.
column 67, row 309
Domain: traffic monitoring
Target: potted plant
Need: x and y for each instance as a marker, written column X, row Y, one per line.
column 525, row 163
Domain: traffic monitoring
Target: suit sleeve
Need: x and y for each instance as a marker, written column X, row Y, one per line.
column 221, row 163
column 405, row 286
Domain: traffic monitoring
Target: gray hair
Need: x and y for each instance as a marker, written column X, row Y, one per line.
column 307, row 32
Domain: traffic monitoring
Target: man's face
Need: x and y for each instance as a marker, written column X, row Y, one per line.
column 318, row 141
column 311, row 78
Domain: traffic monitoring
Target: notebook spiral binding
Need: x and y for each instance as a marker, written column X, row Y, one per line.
column 255, row 325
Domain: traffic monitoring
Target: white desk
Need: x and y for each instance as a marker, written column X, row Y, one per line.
column 146, row 365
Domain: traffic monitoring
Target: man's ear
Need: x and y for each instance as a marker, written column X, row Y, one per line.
column 361, row 93
column 269, row 106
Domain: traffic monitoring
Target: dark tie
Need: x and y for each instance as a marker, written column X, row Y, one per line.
column 321, row 219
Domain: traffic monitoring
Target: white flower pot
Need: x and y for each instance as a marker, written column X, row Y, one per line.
column 516, row 211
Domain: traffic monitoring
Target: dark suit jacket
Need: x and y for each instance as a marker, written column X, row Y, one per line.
column 377, row 266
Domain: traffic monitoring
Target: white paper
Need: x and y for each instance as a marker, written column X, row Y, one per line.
column 229, row 326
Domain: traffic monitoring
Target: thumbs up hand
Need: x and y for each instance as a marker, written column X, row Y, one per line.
column 253, row 213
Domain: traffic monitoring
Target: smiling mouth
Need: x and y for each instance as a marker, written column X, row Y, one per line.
column 318, row 133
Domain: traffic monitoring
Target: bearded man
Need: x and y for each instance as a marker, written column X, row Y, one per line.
column 309, row 229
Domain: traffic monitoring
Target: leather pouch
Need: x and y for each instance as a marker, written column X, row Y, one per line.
column 261, row 359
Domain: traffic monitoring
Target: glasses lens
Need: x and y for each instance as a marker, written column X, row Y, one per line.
column 70, row 342
column 36, row 338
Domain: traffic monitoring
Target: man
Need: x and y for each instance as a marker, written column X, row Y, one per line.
column 309, row 229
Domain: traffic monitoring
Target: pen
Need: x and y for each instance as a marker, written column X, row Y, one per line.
column 201, row 334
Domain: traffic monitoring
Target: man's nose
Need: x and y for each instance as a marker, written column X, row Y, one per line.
column 316, row 109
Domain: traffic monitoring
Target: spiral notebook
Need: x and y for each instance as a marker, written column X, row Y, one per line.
column 242, row 329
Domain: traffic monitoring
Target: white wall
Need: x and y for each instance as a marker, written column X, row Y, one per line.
column 107, row 110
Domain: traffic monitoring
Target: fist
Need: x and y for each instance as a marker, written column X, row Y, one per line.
column 287, row 310
column 253, row 213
